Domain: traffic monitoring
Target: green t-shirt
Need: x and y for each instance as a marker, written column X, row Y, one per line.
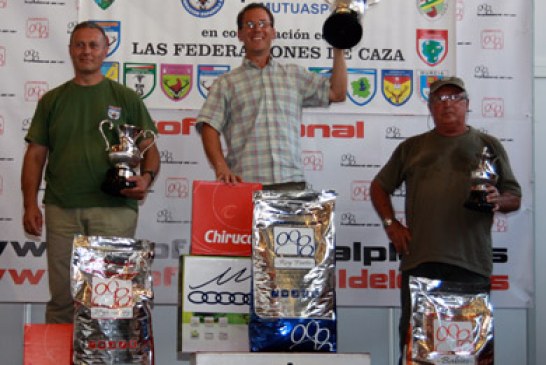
column 67, row 121
column 436, row 172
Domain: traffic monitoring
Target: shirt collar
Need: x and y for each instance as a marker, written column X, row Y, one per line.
column 249, row 64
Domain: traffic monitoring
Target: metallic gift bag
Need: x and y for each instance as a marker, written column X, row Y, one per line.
column 293, row 306
column 451, row 323
column 112, row 290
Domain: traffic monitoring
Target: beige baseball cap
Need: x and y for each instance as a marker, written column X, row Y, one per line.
column 453, row 80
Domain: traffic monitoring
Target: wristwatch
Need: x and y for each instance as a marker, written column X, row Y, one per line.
column 150, row 172
column 387, row 222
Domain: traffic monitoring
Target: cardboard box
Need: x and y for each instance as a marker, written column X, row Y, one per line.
column 222, row 218
column 214, row 304
column 48, row 344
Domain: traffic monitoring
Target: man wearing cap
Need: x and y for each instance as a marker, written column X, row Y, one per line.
column 440, row 238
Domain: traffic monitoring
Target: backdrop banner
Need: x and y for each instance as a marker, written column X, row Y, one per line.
column 170, row 52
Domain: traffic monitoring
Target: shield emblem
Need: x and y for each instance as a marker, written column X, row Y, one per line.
column 432, row 45
column 140, row 77
column 112, row 28
column 432, row 9
column 206, row 74
column 176, row 80
column 362, row 85
column 114, row 112
column 110, row 70
column 425, row 80
column 104, row 4
column 202, row 8
column 397, row 86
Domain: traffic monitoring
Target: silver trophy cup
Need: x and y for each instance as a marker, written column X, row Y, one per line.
column 125, row 156
column 480, row 177
column 342, row 29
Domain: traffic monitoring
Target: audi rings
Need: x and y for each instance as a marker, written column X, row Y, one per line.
column 221, row 298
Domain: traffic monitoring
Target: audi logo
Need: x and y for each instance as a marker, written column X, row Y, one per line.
column 222, row 298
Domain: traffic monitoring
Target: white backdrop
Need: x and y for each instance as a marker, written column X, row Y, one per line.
column 170, row 50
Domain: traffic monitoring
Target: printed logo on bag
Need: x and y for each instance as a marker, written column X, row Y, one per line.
column 222, row 218
column 294, row 247
column 206, row 74
column 176, row 80
column 492, row 39
column 432, row 9
column 37, row 28
column 493, row 107
column 104, row 4
column 432, row 45
column 202, row 8
column 397, row 86
column 34, row 90
column 111, row 298
column 112, row 28
column 141, row 77
column 1, row 125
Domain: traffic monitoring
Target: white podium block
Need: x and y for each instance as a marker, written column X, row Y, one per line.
column 279, row 358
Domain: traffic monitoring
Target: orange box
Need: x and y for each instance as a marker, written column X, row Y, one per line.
column 48, row 344
column 222, row 218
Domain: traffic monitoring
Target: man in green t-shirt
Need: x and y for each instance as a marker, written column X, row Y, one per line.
column 442, row 239
column 64, row 138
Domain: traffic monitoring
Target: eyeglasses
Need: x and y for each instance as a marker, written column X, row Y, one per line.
column 261, row 24
column 444, row 98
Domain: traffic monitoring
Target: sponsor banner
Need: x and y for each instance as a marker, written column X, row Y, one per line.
column 215, row 294
column 222, row 218
column 344, row 146
column 404, row 37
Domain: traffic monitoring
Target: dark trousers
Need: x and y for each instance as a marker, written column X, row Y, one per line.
column 431, row 270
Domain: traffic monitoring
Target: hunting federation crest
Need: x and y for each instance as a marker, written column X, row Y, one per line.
column 176, row 80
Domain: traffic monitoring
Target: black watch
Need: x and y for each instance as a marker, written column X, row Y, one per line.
column 150, row 172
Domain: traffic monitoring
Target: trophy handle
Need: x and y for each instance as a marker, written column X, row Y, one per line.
column 102, row 132
column 154, row 139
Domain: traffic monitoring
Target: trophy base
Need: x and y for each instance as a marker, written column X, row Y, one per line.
column 477, row 201
column 342, row 30
column 116, row 180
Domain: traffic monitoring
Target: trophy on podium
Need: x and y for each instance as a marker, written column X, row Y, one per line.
column 125, row 156
column 480, row 177
column 342, row 29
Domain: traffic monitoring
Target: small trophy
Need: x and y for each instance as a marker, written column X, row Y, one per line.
column 342, row 29
column 482, row 176
column 125, row 156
